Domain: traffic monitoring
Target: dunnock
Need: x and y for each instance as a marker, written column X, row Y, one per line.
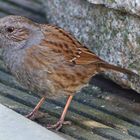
column 48, row 60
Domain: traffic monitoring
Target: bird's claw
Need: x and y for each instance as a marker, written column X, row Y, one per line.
column 34, row 115
column 30, row 116
column 58, row 125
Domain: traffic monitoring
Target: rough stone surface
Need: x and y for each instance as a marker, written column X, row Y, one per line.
column 112, row 34
column 130, row 6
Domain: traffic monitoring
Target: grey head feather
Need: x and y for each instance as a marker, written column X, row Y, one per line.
column 18, row 23
column 14, row 49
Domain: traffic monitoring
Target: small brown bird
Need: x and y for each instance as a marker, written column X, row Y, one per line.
column 48, row 60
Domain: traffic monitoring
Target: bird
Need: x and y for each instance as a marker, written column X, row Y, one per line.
column 48, row 60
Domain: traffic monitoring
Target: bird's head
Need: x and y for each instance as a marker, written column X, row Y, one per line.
column 18, row 32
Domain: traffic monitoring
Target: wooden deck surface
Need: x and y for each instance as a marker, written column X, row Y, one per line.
column 100, row 111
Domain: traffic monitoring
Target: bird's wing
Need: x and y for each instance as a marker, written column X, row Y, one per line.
column 59, row 44
column 62, row 42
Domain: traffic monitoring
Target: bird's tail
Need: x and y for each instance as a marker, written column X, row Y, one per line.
column 106, row 66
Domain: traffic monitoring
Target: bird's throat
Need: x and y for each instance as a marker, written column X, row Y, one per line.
column 13, row 58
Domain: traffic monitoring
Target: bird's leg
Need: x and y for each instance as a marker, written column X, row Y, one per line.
column 31, row 114
column 61, row 121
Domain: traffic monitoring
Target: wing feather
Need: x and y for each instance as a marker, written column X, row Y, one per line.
column 64, row 43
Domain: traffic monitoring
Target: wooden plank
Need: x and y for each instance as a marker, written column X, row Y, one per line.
column 52, row 109
column 109, row 107
column 102, row 117
column 2, row 14
column 12, row 9
column 74, row 130
column 9, row 80
column 29, row 5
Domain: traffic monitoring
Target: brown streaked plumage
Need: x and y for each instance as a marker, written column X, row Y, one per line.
column 48, row 60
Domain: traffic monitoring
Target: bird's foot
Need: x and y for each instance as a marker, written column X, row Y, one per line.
column 34, row 115
column 30, row 116
column 58, row 125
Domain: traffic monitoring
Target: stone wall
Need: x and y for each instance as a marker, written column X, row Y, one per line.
column 111, row 28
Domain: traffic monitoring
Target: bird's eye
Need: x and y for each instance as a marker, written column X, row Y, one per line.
column 10, row 29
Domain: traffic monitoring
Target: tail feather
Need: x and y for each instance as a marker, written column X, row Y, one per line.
column 116, row 68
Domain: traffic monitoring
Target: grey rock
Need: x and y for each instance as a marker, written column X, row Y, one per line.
column 130, row 6
column 112, row 34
